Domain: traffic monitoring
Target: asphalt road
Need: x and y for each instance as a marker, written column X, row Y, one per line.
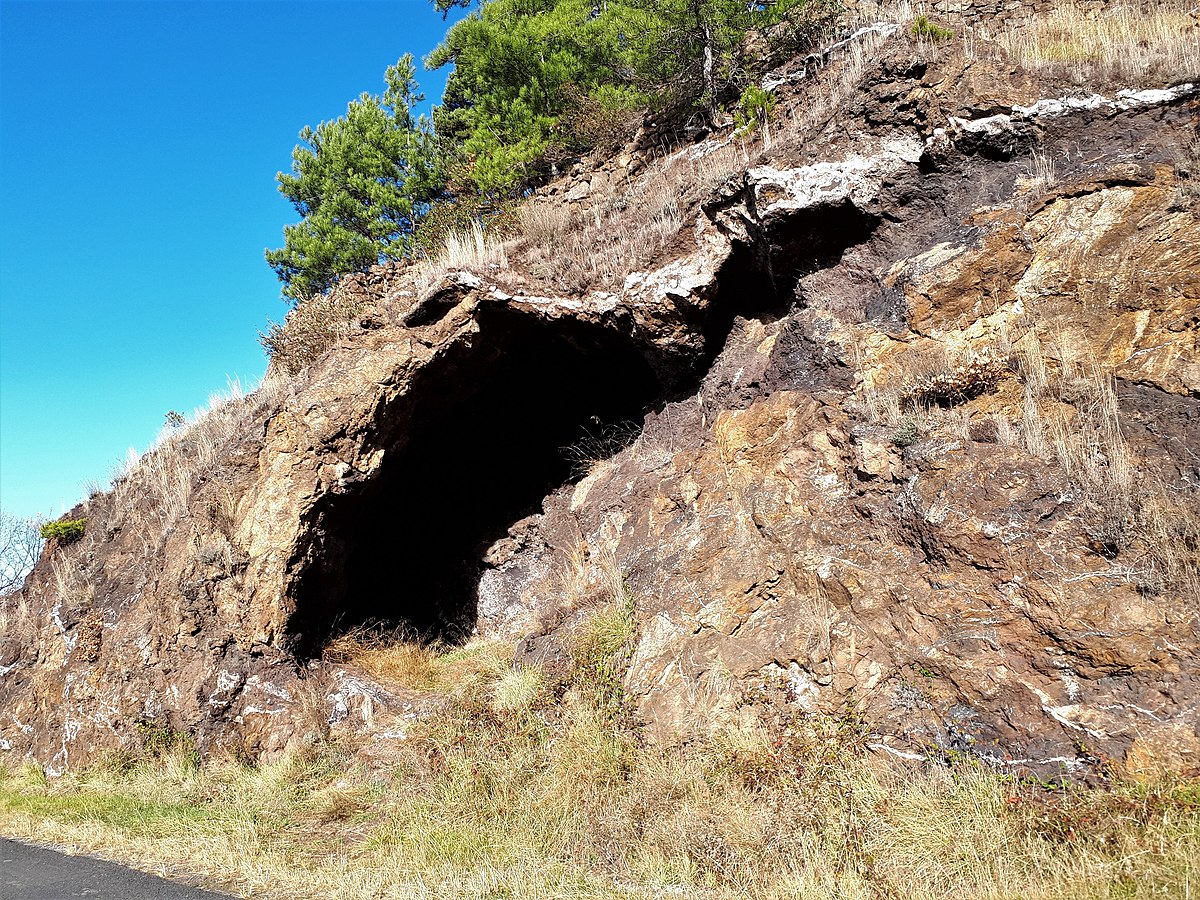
column 36, row 873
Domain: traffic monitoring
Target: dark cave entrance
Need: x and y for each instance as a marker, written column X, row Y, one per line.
column 404, row 552
column 762, row 277
column 484, row 447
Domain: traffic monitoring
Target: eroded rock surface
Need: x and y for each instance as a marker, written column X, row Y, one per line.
column 973, row 573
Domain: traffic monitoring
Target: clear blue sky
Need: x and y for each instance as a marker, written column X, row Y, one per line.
column 138, row 149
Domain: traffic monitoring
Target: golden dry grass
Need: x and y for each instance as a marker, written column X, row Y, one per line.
column 394, row 659
column 1066, row 412
column 1121, row 44
column 640, row 217
column 536, row 785
column 166, row 474
column 1070, row 416
column 556, row 802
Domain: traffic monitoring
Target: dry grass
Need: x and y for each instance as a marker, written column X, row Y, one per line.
column 868, row 12
column 536, row 785
column 598, row 444
column 69, row 582
column 1122, row 44
column 1070, row 416
column 403, row 663
column 321, row 321
column 545, row 222
column 18, row 624
column 1042, row 175
column 830, row 87
column 472, row 250
column 629, row 231
column 925, row 386
column 311, row 328
column 540, row 799
column 160, row 482
column 591, row 575
column 396, row 659
column 1067, row 414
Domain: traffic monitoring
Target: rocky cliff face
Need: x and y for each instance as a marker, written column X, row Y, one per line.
column 903, row 422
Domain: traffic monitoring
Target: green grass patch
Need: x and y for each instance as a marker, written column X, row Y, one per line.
column 924, row 28
column 114, row 810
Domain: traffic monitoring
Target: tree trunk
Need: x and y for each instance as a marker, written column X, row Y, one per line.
column 709, row 86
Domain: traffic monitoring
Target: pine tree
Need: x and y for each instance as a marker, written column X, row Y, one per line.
column 520, row 66
column 704, row 52
column 359, row 184
column 525, row 71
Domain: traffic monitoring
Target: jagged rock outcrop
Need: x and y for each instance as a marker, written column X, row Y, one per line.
column 901, row 423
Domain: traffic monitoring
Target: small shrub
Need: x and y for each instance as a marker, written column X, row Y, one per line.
column 544, row 223
column 969, row 378
column 311, row 328
column 160, row 741
column 174, row 419
column 603, row 120
column 907, row 434
column 65, row 531
column 754, row 110
column 923, row 28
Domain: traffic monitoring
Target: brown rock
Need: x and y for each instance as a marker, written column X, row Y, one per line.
column 716, row 438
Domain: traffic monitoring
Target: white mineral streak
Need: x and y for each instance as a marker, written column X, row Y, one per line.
column 857, row 179
column 351, row 695
column 1052, row 108
column 903, row 754
column 1122, row 102
column 774, row 80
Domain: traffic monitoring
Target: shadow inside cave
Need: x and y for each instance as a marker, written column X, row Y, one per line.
column 404, row 551
column 486, row 443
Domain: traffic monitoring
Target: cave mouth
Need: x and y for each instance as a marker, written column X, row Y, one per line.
column 763, row 277
column 500, row 424
column 402, row 555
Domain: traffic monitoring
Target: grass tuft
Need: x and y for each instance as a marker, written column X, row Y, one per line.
column 565, row 802
column 925, row 29
column 1121, row 44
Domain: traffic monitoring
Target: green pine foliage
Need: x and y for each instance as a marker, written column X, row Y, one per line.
column 537, row 80
column 534, row 83
column 754, row 110
column 359, row 183
column 520, row 67
column 702, row 53
column 923, row 27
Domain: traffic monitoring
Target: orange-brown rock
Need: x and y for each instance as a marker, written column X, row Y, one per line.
column 892, row 428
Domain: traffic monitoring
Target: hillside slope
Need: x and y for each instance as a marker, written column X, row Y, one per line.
column 895, row 410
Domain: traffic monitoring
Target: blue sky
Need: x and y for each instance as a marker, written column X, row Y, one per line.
column 138, row 149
